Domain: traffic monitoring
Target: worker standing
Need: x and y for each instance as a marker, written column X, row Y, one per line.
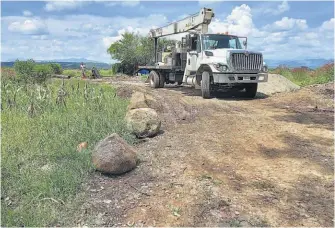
column 82, row 67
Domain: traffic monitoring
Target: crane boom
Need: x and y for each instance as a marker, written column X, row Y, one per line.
column 199, row 21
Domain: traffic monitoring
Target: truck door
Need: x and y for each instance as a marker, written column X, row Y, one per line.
column 192, row 55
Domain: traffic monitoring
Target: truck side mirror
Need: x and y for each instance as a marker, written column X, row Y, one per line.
column 245, row 43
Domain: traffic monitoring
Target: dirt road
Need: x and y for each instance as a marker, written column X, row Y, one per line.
column 226, row 162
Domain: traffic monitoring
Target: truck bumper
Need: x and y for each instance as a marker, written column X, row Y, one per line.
column 240, row 78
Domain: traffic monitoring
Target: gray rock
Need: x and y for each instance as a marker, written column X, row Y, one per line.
column 143, row 122
column 114, row 156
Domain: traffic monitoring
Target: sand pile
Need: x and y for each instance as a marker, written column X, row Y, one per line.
column 276, row 84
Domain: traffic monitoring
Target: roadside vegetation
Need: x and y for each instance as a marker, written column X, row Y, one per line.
column 43, row 121
column 76, row 73
column 303, row 76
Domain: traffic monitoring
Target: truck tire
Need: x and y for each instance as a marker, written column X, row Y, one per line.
column 205, row 85
column 154, row 79
column 161, row 80
column 251, row 90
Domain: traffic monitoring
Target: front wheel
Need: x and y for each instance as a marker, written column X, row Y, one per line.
column 251, row 90
column 206, row 85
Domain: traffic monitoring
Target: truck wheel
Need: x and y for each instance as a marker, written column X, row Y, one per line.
column 251, row 90
column 205, row 85
column 161, row 80
column 154, row 79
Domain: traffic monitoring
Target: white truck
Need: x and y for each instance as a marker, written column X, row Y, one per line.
column 210, row 62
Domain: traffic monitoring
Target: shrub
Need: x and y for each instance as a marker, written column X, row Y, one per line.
column 41, row 73
column 24, row 69
column 56, row 68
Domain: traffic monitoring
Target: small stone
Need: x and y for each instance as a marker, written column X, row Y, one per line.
column 107, row 201
column 237, row 213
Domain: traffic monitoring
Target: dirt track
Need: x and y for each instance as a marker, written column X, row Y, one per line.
column 226, row 162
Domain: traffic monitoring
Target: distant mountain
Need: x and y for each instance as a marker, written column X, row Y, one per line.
column 311, row 63
column 68, row 63
column 71, row 60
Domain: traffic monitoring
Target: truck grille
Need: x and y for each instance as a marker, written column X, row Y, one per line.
column 243, row 62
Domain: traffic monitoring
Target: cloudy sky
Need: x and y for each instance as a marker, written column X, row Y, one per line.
column 76, row 29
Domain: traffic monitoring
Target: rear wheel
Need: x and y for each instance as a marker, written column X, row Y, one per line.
column 154, row 79
column 205, row 85
column 251, row 90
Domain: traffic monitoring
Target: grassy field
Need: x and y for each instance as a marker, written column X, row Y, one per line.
column 41, row 170
column 77, row 73
column 305, row 77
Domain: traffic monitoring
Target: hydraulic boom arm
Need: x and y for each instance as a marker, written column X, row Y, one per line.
column 199, row 21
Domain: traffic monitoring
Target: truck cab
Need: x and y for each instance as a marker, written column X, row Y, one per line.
column 225, row 61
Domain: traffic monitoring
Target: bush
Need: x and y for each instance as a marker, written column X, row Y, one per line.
column 41, row 73
column 56, row 68
column 24, row 69
column 30, row 72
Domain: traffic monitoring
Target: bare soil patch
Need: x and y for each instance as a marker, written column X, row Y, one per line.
column 226, row 162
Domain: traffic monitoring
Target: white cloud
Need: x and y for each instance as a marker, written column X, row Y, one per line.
column 239, row 22
column 281, row 8
column 62, row 5
column 287, row 24
column 27, row 13
column 28, row 26
column 128, row 3
column 39, row 37
column 328, row 25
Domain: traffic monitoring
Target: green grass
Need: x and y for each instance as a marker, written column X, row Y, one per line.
column 77, row 73
column 41, row 170
column 304, row 77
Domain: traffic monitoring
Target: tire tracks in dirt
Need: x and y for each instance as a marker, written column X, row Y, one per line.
column 226, row 162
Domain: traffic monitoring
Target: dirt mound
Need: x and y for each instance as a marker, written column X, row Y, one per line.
column 277, row 84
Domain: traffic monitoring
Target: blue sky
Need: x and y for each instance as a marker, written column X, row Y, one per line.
column 76, row 29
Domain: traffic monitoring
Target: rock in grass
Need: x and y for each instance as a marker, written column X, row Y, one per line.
column 143, row 100
column 113, row 155
column 137, row 101
column 143, row 122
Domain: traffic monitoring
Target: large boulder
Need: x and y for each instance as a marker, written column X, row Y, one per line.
column 113, row 155
column 143, row 100
column 137, row 100
column 143, row 122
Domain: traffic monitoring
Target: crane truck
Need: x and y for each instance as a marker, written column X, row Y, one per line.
column 210, row 62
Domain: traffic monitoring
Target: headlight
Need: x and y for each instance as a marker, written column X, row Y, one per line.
column 220, row 67
column 265, row 69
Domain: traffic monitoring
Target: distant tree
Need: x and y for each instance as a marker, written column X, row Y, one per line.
column 56, row 68
column 133, row 50
column 30, row 72
column 24, row 69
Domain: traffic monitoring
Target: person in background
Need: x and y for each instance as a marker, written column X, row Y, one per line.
column 82, row 67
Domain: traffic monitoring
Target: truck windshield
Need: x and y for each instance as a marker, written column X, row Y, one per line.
column 218, row 41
